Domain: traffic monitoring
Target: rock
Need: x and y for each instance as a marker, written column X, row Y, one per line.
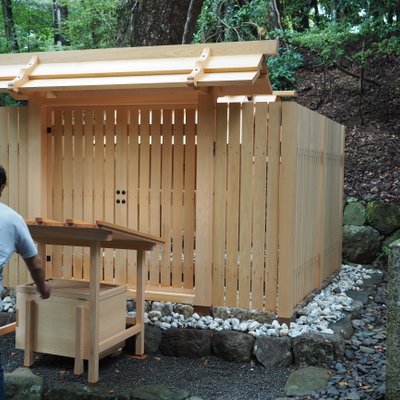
column 130, row 305
column 354, row 214
column 306, row 380
column 390, row 239
column 358, row 295
column 191, row 343
column 361, row 244
column 273, row 351
column 318, row 348
column 232, row 346
column 343, row 327
column 23, row 384
column 384, row 217
column 156, row 392
column 184, row 309
column 163, row 308
column 152, row 340
column 263, row 317
column 76, row 391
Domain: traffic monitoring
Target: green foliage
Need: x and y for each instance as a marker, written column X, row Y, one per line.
column 228, row 21
column 282, row 68
column 92, row 24
column 33, row 23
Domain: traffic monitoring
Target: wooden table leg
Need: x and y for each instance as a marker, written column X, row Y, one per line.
column 78, row 365
column 29, row 333
column 94, row 295
column 139, row 348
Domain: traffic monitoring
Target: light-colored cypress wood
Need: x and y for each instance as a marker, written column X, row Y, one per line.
column 258, row 277
column 78, row 188
column 287, row 210
column 233, row 206
column 219, row 230
column 189, row 199
column 166, row 220
column 67, row 188
column 133, row 187
column 246, row 204
column 88, row 180
column 121, row 183
column 109, row 187
column 155, row 197
column 204, row 200
column 57, row 189
column 177, row 199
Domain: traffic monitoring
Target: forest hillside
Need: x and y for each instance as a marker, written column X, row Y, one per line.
column 341, row 57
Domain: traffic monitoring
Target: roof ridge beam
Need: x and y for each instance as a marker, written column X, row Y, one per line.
column 23, row 75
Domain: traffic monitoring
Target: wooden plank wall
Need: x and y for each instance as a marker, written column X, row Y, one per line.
column 13, row 157
column 311, row 192
column 132, row 167
column 246, row 205
column 278, row 178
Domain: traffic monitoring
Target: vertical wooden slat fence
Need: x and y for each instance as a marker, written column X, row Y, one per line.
column 277, row 177
column 13, row 157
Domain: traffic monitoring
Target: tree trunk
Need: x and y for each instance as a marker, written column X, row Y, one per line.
column 60, row 14
column 191, row 18
column 9, row 26
column 156, row 22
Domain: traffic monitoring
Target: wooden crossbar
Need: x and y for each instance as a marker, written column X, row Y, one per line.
column 23, row 75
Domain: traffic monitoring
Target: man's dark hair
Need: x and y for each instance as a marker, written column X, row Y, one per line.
column 3, row 176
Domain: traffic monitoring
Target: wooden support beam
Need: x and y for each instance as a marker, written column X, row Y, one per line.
column 4, row 330
column 23, row 75
column 198, row 70
column 79, row 335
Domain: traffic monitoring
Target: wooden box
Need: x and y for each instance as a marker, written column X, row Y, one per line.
column 54, row 321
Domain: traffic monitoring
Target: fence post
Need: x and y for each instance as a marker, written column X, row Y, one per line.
column 204, row 200
column 287, row 209
column 393, row 324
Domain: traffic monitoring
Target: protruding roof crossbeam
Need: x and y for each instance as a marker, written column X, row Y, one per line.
column 198, row 70
column 23, row 75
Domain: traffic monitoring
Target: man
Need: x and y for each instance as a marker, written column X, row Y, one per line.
column 15, row 237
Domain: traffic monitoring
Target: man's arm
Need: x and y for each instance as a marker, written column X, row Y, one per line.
column 34, row 265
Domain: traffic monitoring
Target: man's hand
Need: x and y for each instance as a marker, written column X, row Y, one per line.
column 45, row 291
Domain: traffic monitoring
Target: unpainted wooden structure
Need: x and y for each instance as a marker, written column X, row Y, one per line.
column 185, row 142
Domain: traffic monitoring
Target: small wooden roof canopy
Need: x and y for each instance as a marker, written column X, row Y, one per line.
column 74, row 232
column 237, row 68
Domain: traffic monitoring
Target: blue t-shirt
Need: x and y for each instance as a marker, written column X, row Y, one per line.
column 14, row 237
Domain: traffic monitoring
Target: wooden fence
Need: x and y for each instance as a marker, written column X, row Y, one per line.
column 277, row 205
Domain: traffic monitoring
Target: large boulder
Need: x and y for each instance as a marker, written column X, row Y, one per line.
column 77, row 391
column 23, row 384
column 354, row 214
column 391, row 239
column 318, row 348
column 384, row 217
column 361, row 244
column 306, row 380
column 273, row 351
column 191, row 343
column 232, row 346
column 156, row 392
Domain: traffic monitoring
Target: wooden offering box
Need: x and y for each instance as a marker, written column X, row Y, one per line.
column 60, row 324
column 84, row 320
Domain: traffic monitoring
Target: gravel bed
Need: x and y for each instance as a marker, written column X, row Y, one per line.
column 209, row 378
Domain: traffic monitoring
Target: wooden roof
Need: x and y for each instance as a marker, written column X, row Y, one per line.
column 79, row 233
column 238, row 64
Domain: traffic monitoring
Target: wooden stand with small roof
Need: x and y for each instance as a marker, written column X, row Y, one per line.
column 95, row 236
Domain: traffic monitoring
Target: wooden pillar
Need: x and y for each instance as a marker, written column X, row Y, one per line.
column 94, row 296
column 139, row 349
column 204, row 200
column 287, row 210
column 37, row 159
